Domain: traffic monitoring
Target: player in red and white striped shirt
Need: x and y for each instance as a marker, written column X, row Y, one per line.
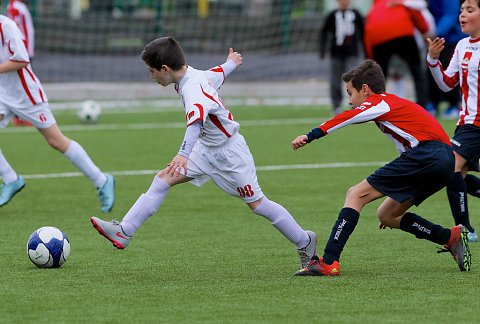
column 425, row 166
column 18, row 11
column 464, row 69
column 22, row 94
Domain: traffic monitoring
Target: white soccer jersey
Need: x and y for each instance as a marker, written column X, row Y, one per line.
column 464, row 68
column 18, row 12
column 198, row 90
column 18, row 89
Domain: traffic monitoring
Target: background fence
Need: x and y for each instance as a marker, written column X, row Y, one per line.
column 100, row 40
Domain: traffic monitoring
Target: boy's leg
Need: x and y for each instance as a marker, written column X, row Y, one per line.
column 394, row 215
column 336, row 89
column 12, row 182
column 473, row 185
column 104, row 183
column 457, row 197
column 282, row 220
column 357, row 197
column 145, row 206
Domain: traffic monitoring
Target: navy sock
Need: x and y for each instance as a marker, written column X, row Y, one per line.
column 457, row 197
column 473, row 185
column 424, row 229
column 344, row 226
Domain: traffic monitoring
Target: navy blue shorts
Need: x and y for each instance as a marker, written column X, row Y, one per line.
column 416, row 174
column 466, row 142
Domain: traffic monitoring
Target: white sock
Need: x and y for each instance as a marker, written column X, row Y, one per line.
column 6, row 172
column 283, row 221
column 145, row 206
column 77, row 155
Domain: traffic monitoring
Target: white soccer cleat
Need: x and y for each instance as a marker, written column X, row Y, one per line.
column 112, row 231
column 308, row 252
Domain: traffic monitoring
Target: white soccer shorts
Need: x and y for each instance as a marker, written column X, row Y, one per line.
column 230, row 166
column 39, row 115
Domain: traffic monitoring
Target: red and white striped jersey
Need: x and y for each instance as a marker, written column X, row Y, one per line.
column 404, row 122
column 18, row 12
column 464, row 68
column 22, row 88
column 198, row 90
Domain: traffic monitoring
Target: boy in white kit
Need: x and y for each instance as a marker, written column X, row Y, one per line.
column 212, row 148
column 22, row 94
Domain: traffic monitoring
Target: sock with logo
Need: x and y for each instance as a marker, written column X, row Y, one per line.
column 6, row 172
column 145, row 206
column 473, row 185
column 344, row 226
column 77, row 155
column 281, row 219
column 424, row 229
column 457, row 197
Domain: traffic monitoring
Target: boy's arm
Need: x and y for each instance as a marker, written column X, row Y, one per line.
column 371, row 109
column 11, row 66
column 446, row 80
column 179, row 162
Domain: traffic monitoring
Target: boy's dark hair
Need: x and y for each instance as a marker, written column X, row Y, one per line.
column 164, row 51
column 369, row 73
column 462, row 1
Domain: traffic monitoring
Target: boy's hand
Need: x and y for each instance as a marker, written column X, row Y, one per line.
column 235, row 57
column 176, row 165
column 299, row 142
column 435, row 47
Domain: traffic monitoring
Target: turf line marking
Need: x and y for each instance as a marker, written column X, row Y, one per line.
column 272, row 122
column 260, row 168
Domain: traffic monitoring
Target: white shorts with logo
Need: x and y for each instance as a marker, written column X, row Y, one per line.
column 230, row 166
column 39, row 115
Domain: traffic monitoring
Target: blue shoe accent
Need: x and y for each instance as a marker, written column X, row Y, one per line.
column 10, row 189
column 432, row 109
column 106, row 194
column 451, row 113
column 472, row 236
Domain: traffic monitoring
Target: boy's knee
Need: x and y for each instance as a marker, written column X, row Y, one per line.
column 1, row 117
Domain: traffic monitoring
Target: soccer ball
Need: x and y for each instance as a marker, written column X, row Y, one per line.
column 48, row 247
column 90, row 112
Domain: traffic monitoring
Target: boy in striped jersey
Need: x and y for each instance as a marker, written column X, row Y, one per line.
column 425, row 165
column 22, row 94
column 464, row 69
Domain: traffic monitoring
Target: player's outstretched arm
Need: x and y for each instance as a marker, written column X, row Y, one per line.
column 299, row 142
column 235, row 57
column 435, row 47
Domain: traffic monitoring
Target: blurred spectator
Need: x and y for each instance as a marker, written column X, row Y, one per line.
column 390, row 30
column 342, row 32
column 446, row 14
column 397, row 68
column 18, row 11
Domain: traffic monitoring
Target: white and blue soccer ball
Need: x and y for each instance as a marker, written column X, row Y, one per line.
column 90, row 112
column 48, row 247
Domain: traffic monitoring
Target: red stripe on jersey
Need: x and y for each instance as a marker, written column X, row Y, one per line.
column 476, row 122
column 1, row 33
column 200, row 109
column 217, row 123
column 219, row 69
column 25, row 32
column 400, row 139
column 464, row 65
column 24, row 84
